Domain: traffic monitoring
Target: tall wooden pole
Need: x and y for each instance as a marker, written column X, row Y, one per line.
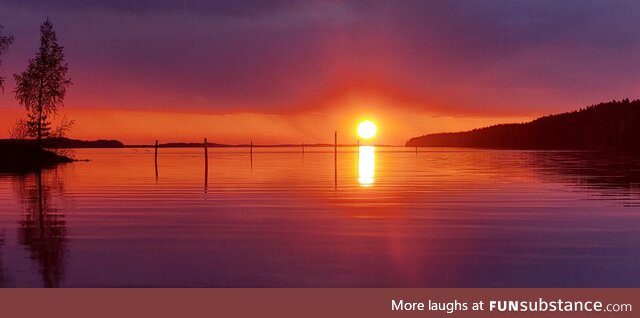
column 156, row 160
column 206, row 164
column 251, row 154
column 206, row 151
column 335, row 159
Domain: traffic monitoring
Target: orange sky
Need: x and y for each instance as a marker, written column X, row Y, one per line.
column 396, row 124
column 293, row 71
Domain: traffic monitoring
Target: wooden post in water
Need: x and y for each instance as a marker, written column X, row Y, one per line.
column 156, row 160
column 251, row 154
column 303, row 147
column 335, row 159
column 206, row 164
column 206, row 152
column 416, row 150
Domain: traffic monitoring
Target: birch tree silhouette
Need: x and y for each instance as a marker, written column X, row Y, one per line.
column 41, row 88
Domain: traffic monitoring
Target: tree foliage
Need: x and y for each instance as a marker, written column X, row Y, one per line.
column 5, row 41
column 41, row 88
column 20, row 130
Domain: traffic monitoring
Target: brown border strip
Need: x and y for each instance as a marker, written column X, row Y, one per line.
column 312, row 302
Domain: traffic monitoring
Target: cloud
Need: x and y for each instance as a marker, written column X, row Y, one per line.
column 220, row 7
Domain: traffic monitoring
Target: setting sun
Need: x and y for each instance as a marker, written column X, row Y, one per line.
column 367, row 129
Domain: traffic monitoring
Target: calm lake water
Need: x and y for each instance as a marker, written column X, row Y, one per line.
column 391, row 217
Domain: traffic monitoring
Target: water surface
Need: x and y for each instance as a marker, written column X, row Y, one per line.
column 391, row 217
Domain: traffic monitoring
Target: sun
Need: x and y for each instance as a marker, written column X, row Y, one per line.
column 367, row 129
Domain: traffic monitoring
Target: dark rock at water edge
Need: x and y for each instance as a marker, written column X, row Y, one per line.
column 24, row 156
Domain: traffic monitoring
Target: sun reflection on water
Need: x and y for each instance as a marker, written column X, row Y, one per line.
column 366, row 165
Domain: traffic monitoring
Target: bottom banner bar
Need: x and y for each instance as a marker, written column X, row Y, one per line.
column 319, row 302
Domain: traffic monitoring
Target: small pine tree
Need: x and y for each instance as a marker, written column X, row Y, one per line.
column 41, row 88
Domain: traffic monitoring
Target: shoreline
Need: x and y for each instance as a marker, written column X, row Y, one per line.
column 25, row 156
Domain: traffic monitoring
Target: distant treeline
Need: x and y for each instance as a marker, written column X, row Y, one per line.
column 606, row 126
column 218, row 145
column 62, row 142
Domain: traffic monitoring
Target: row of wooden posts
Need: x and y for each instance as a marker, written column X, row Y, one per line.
column 206, row 158
column 206, row 146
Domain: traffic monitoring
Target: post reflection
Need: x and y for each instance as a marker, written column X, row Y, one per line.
column 366, row 165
